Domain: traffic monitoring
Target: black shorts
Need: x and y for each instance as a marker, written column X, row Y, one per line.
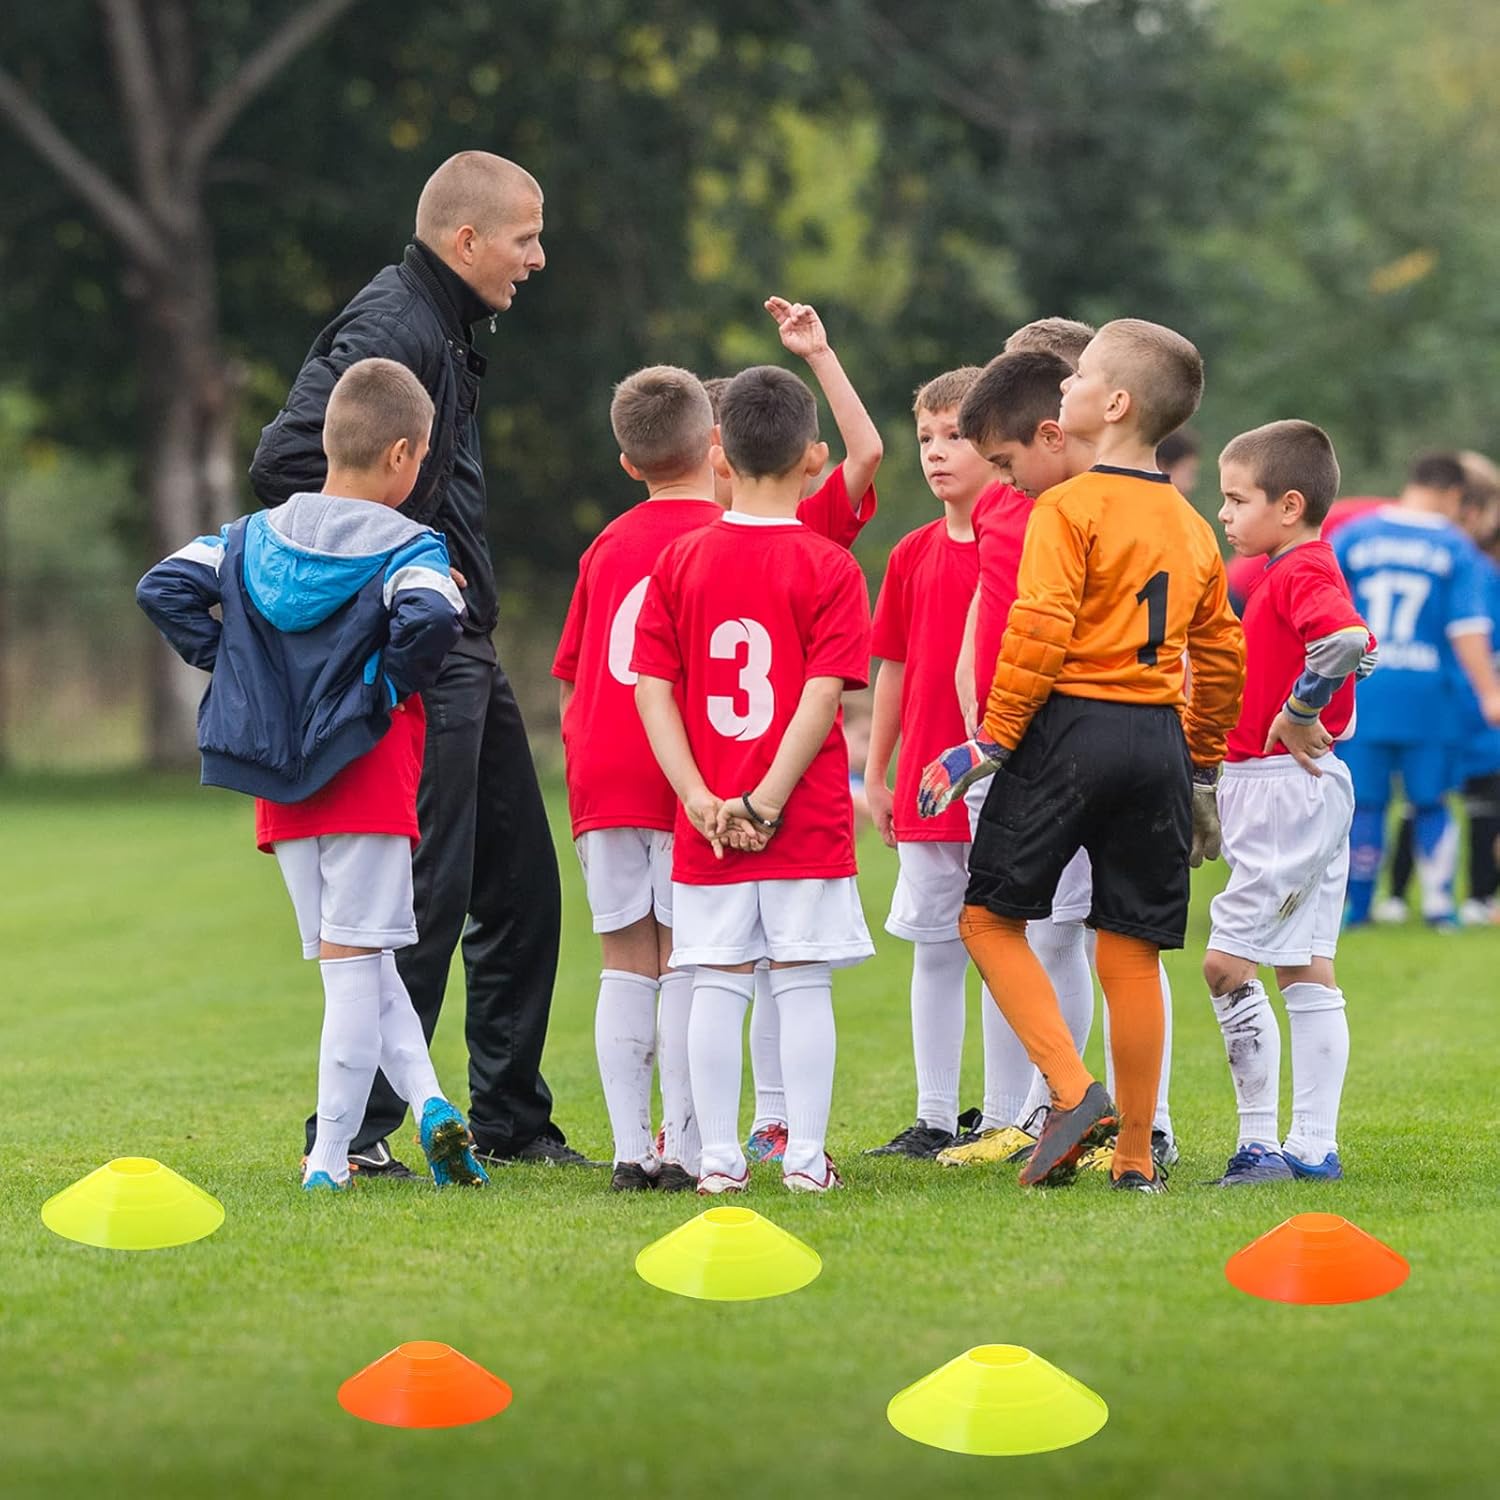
column 1111, row 778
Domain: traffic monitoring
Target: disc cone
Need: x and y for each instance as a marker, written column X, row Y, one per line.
column 1317, row 1258
column 424, row 1384
column 133, row 1203
column 728, row 1255
column 998, row 1399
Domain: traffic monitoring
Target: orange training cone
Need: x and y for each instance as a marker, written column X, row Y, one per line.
column 998, row 1400
column 1317, row 1258
column 424, row 1384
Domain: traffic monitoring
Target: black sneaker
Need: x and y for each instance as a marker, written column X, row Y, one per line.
column 918, row 1140
column 631, row 1177
column 1065, row 1136
column 1163, row 1149
column 675, row 1178
column 377, row 1161
column 545, row 1149
column 1137, row 1182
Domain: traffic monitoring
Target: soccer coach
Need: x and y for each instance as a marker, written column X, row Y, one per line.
column 486, row 854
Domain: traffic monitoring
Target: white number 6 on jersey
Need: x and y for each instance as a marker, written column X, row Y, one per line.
column 622, row 634
column 755, row 683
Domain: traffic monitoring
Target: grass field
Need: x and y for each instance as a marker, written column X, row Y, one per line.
column 154, row 1005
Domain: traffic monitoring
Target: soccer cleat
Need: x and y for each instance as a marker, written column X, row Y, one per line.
column 674, row 1178
column 768, row 1143
column 920, row 1140
column 1389, row 911
column 1001, row 1143
column 714, row 1183
column 631, row 1177
column 377, row 1161
column 321, row 1182
column 547, row 1149
column 1164, row 1149
column 1330, row 1169
column 800, row 1182
column 1066, row 1135
column 1137, row 1182
column 1102, row 1158
column 1254, row 1163
column 448, row 1146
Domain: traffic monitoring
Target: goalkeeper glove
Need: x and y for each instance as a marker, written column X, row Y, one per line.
column 954, row 771
column 1207, row 837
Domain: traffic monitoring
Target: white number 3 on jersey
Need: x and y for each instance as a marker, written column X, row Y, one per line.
column 754, row 682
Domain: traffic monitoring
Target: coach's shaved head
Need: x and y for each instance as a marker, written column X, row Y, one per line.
column 482, row 215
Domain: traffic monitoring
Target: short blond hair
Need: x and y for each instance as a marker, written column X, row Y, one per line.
column 945, row 392
column 376, row 402
column 1063, row 337
column 1289, row 455
column 476, row 188
column 1161, row 370
column 662, row 421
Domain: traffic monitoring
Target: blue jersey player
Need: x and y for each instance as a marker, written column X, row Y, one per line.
column 1419, row 582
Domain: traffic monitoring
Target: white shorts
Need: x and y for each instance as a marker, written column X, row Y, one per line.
column 628, row 872
column 786, row 921
column 929, row 892
column 350, row 888
column 1286, row 840
column 1073, row 899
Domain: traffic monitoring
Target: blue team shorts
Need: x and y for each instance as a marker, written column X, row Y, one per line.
column 1428, row 771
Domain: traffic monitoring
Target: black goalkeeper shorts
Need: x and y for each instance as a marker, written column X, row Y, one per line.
column 1111, row 778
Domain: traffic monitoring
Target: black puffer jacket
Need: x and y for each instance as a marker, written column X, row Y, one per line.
column 420, row 313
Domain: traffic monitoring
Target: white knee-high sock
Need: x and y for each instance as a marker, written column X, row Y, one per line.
column 804, row 997
column 1253, row 1045
column 715, row 1056
column 404, row 1057
column 938, row 971
column 679, row 1121
column 1320, row 1057
column 1007, row 1068
column 347, row 1058
column 1063, row 949
column 625, row 1044
column 765, row 1056
column 1162, row 1120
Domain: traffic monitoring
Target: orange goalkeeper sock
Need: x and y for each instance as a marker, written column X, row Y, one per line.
column 1026, row 998
column 1131, row 979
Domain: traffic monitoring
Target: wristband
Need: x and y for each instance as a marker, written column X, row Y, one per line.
column 1206, row 775
column 769, row 824
column 1298, row 712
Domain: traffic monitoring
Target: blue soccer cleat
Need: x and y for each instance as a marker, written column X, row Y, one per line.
column 767, row 1144
column 1252, row 1164
column 321, row 1182
column 1330, row 1169
column 448, row 1146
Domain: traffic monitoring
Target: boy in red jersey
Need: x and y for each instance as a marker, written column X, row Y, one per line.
column 919, row 621
column 334, row 611
column 1286, row 803
column 751, row 630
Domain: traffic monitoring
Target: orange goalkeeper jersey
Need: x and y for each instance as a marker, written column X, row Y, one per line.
column 1119, row 576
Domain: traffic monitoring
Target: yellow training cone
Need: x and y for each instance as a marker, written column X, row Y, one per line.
column 998, row 1399
column 133, row 1203
column 728, row 1255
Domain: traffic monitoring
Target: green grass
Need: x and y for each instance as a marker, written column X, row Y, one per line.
column 154, row 1005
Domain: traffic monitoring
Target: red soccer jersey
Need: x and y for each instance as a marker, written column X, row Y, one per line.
column 919, row 620
column 1299, row 597
column 613, row 779
column 828, row 511
column 999, row 519
column 739, row 616
column 375, row 794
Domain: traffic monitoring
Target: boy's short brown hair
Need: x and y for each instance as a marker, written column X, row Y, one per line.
column 716, row 385
column 662, row 420
column 767, row 417
column 1437, row 471
column 1289, row 455
column 1162, row 371
column 1013, row 396
column 1064, row 337
column 944, row 392
column 374, row 403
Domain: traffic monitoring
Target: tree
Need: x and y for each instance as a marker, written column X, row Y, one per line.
column 185, row 389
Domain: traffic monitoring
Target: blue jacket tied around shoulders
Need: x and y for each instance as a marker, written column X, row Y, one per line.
column 331, row 612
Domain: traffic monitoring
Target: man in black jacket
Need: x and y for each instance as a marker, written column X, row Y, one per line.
column 486, row 851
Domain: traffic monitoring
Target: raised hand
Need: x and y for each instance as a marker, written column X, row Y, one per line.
column 802, row 331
